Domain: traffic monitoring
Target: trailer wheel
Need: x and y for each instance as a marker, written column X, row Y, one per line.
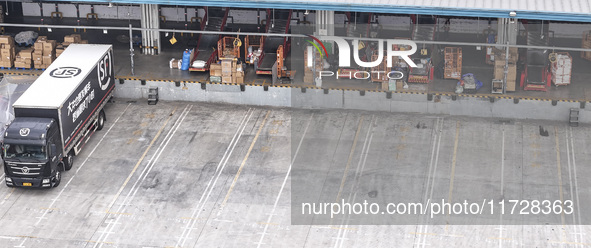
column 101, row 120
column 68, row 162
column 57, row 179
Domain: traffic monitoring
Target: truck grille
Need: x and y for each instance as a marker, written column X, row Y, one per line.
column 30, row 170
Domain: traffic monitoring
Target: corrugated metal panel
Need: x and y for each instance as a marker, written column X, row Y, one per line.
column 560, row 10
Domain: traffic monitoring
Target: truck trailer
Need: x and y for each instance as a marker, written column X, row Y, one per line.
column 56, row 116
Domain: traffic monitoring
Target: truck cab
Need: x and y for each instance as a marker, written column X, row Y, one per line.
column 31, row 154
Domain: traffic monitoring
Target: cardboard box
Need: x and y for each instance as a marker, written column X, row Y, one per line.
column 37, row 57
column 48, row 52
column 6, row 64
column 66, row 44
column 58, row 52
column 38, row 46
column 399, row 85
column 216, row 66
column 510, row 85
column 77, row 37
column 84, row 42
column 500, row 72
column 226, row 68
column 6, row 39
column 47, row 59
column 41, row 66
column 49, row 46
column 5, row 52
column 226, row 79
column 70, row 39
column 27, row 53
column 42, row 38
column 215, row 73
column 239, row 80
column 26, row 65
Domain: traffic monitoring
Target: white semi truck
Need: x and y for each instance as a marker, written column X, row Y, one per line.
column 56, row 116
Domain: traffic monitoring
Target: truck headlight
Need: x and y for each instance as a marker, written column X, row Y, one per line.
column 8, row 179
column 46, row 180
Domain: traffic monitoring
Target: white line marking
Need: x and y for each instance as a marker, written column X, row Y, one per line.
column 502, row 184
column 360, row 167
column 131, row 194
column 441, row 124
column 209, row 188
column 284, row 182
column 578, row 206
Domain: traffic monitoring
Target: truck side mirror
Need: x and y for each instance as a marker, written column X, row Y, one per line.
column 53, row 150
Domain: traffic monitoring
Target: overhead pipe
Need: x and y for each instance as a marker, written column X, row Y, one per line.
column 226, row 33
column 156, row 35
column 131, row 49
column 143, row 25
column 149, row 33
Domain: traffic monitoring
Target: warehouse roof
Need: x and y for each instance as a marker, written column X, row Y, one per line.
column 563, row 10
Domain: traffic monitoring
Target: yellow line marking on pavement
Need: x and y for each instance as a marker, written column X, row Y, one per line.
column 453, row 167
column 256, row 137
column 350, row 158
column 139, row 161
column 9, row 194
column 25, row 236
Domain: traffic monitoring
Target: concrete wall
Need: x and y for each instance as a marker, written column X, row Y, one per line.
column 339, row 99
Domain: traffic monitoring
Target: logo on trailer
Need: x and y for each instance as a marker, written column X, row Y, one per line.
column 25, row 170
column 65, row 72
column 24, row 131
column 105, row 71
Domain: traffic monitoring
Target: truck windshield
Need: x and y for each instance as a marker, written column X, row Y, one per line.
column 24, row 151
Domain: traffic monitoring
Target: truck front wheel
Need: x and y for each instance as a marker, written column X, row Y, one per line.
column 57, row 179
column 101, row 120
column 68, row 162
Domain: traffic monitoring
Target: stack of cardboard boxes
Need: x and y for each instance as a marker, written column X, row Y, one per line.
column 24, row 59
column 228, row 71
column 561, row 69
column 453, row 63
column 7, row 51
column 69, row 39
column 499, row 73
column 44, row 52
